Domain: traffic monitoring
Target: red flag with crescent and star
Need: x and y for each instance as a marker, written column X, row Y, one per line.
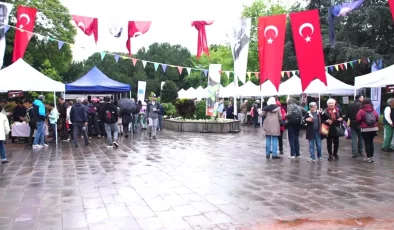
column 308, row 46
column 202, row 44
column 136, row 28
column 26, row 18
column 271, row 41
column 88, row 25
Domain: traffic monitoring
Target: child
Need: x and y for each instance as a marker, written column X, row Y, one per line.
column 4, row 130
column 53, row 117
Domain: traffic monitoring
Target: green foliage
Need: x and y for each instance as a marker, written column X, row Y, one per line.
column 169, row 93
column 169, row 109
column 48, row 23
column 185, row 108
column 49, row 71
column 201, row 110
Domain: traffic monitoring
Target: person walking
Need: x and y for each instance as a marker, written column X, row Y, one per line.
column 313, row 121
column 4, row 130
column 230, row 111
column 79, row 119
column 333, row 118
column 388, row 124
column 271, row 125
column 70, row 130
column 368, row 119
column 244, row 113
column 357, row 139
column 254, row 114
column 126, row 119
column 109, row 114
column 63, row 117
column 53, row 117
column 39, row 116
column 92, row 118
column 152, row 114
column 294, row 116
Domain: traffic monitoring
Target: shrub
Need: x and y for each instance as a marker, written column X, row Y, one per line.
column 201, row 110
column 185, row 108
column 169, row 93
column 169, row 109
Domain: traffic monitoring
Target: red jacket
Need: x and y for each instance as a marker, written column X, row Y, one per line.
column 360, row 118
column 282, row 127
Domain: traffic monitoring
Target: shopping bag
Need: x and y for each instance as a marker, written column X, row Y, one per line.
column 150, row 122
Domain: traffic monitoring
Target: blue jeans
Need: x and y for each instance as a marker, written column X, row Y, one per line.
column 271, row 145
column 39, row 137
column 315, row 141
column 294, row 136
column 2, row 151
column 357, row 141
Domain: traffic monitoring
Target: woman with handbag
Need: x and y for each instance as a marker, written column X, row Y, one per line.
column 368, row 119
column 333, row 118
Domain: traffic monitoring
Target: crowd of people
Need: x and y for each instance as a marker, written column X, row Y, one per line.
column 85, row 117
column 329, row 124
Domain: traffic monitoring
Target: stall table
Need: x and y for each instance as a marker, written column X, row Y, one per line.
column 23, row 130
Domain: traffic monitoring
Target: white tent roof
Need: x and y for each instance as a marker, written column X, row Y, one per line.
column 191, row 93
column 249, row 90
column 201, row 93
column 268, row 89
column 334, row 87
column 290, row 87
column 22, row 76
column 379, row 78
column 182, row 93
column 228, row 91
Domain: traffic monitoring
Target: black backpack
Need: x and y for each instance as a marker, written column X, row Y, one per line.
column 295, row 117
column 111, row 115
column 370, row 119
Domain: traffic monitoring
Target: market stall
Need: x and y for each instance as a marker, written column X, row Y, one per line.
column 380, row 78
column 96, row 81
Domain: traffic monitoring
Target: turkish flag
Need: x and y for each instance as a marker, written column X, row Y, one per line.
column 135, row 29
column 88, row 25
column 202, row 44
column 309, row 46
column 271, row 41
column 26, row 18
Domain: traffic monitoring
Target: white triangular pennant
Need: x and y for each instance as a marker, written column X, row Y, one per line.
column 227, row 74
column 293, row 72
column 143, row 63
column 188, row 70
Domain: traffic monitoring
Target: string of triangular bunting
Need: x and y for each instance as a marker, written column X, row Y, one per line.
column 289, row 73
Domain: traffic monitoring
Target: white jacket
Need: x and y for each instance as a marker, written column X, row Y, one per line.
column 4, row 127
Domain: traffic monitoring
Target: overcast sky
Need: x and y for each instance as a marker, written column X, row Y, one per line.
column 171, row 22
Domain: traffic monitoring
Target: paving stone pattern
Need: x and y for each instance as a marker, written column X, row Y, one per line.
column 186, row 181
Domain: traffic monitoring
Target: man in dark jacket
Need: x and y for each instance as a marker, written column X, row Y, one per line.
column 62, row 118
column 79, row 119
column 109, row 115
column 357, row 138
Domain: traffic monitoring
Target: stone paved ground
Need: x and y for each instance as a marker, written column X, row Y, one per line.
column 192, row 181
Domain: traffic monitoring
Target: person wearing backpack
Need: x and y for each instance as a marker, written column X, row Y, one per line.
column 333, row 118
column 294, row 116
column 368, row 119
column 79, row 119
column 109, row 115
column 152, row 114
column 92, row 118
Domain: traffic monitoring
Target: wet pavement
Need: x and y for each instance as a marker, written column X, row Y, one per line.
column 192, row 181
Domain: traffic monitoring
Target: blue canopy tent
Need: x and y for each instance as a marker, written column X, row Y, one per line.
column 96, row 82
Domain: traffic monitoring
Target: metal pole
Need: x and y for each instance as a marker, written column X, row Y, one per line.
column 54, row 102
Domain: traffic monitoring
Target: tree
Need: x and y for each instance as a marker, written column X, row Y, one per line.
column 75, row 71
column 47, row 69
column 169, row 93
column 48, row 23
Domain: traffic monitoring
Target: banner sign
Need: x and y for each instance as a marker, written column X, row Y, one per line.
column 213, row 87
column 376, row 93
column 141, row 91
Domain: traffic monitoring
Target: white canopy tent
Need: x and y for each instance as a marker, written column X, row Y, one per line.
column 182, row 93
column 379, row 78
column 334, row 87
column 22, row 76
column 228, row 91
column 191, row 93
column 249, row 90
column 290, row 87
column 201, row 93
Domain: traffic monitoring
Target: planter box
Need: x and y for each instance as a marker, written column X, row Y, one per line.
column 202, row 127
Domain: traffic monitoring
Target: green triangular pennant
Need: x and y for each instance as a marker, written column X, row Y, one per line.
column 103, row 55
column 351, row 64
column 156, row 66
